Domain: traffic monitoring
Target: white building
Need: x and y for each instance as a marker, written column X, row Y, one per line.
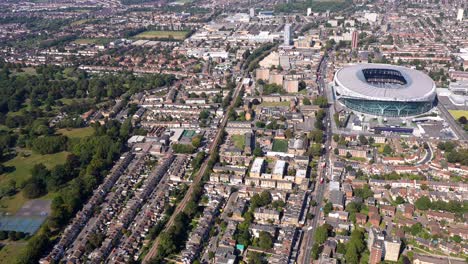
column 460, row 14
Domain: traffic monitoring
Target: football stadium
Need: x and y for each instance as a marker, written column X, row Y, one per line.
column 384, row 90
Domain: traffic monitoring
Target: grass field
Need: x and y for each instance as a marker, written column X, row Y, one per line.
column 79, row 22
column 459, row 113
column 280, row 145
column 10, row 252
column 97, row 41
column 12, row 204
column 239, row 141
column 21, row 173
column 155, row 34
column 272, row 104
column 23, row 165
column 76, row 132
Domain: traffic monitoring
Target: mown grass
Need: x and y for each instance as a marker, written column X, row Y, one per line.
column 280, row 145
column 159, row 34
column 239, row 141
column 23, row 164
column 459, row 113
column 76, row 132
column 10, row 252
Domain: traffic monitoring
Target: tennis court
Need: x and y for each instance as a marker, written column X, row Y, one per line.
column 28, row 219
column 25, row 224
column 188, row 133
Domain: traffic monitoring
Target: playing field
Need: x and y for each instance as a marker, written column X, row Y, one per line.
column 156, row 34
column 273, row 104
column 10, row 252
column 239, row 141
column 459, row 113
column 76, row 132
column 280, row 145
column 97, row 41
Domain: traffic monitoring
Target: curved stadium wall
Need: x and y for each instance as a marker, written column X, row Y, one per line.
column 384, row 90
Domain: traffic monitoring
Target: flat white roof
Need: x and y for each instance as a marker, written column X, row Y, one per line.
column 279, row 167
column 257, row 165
column 351, row 82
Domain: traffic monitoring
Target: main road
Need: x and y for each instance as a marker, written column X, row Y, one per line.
column 309, row 234
column 180, row 208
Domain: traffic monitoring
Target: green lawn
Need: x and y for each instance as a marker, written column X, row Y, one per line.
column 156, row 34
column 22, row 172
column 11, row 204
column 23, row 165
column 459, row 113
column 79, row 22
column 10, row 252
column 76, row 132
column 97, row 41
column 280, row 145
column 239, row 141
column 273, row 104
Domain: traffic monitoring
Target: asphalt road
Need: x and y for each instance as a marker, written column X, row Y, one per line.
column 152, row 252
column 320, row 188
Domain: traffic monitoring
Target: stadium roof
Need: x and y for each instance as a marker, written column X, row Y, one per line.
column 417, row 85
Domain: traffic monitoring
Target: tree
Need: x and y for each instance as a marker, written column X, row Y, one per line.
column 315, row 150
column 462, row 120
column 3, row 235
column 351, row 255
column 348, row 155
column 260, row 124
column 265, row 241
column 258, row 151
column 327, row 208
column 126, row 128
column 306, row 101
column 211, row 255
column 321, row 101
column 457, row 239
column 399, row 200
column 387, row 150
column 315, row 251
column 363, row 140
column 256, row 258
column 336, row 138
column 423, row 203
column 316, row 136
column 196, row 141
column 34, row 189
column 416, row 229
column 321, row 234
column 364, row 192
column 336, row 151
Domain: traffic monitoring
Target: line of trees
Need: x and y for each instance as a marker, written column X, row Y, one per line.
column 90, row 159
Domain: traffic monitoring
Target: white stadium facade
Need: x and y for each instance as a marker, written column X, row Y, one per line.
column 384, row 90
